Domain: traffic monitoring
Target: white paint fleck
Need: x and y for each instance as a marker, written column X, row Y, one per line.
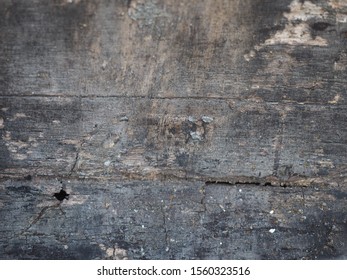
column 271, row 212
column 124, row 119
column 272, row 230
column 191, row 119
column 240, row 190
column 222, row 207
column 104, row 64
column 207, row 119
column 107, row 163
column 19, row 115
column 56, row 121
column 196, row 135
column 249, row 55
column 66, row 247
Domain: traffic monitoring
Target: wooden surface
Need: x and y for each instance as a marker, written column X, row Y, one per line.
column 132, row 101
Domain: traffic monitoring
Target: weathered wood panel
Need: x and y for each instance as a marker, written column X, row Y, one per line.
column 170, row 220
column 145, row 138
column 130, row 100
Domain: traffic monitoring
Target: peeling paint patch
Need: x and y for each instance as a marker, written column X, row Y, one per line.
column 304, row 11
column 296, row 33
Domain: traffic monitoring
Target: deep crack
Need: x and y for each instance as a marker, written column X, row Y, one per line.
column 40, row 215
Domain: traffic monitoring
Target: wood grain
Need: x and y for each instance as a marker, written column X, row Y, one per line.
column 164, row 94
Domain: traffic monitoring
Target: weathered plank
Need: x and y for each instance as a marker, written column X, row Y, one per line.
column 153, row 138
column 132, row 101
column 171, row 220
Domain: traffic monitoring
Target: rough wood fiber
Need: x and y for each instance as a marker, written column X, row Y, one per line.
column 145, row 105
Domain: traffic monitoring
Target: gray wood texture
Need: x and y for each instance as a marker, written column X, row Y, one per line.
column 202, row 116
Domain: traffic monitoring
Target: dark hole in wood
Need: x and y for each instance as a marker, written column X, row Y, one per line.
column 61, row 195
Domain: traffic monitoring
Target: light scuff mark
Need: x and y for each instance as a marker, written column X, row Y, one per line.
column 77, row 200
column 297, row 30
column 335, row 100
